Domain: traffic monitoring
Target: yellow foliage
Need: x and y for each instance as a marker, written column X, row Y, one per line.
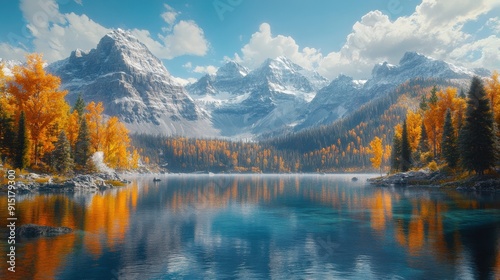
column 493, row 91
column 433, row 166
column 37, row 93
column 134, row 163
column 377, row 152
column 116, row 142
column 414, row 126
column 434, row 116
column 95, row 124
column 72, row 127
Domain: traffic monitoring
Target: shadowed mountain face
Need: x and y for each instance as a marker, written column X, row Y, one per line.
column 132, row 84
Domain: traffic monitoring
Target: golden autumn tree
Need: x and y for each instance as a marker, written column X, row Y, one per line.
column 96, row 125
column 377, row 151
column 37, row 93
column 434, row 116
column 134, row 161
column 414, row 126
column 493, row 91
column 116, row 142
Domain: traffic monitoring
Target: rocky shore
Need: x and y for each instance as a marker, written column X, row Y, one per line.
column 33, row 182
column 33, row 230
column 429, row 178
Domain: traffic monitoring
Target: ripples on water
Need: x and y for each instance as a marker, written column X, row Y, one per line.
column 258, row 227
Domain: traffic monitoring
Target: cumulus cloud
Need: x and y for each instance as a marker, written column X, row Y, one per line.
column 52, row 33
column 209, row 69
column 169, row 16
column 56, row 34
column 435, row 29
column 263, row 45
column 494, row 24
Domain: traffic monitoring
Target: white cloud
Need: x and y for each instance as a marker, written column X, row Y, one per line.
column 263, row 45
column 188, row 65
column 52, row 33
column 209, row 69
column 184, row 82
column 494, row 24
column 56, row 34
column 186, row 38
column 169, row 16
column 434, row 29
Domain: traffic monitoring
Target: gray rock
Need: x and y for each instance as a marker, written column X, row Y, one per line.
column 33, row 230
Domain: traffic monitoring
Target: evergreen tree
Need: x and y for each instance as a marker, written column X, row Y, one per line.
column 82, row 146
column 7, row 135
column 434, row 98
column 62, row 154
column 405, row 149
column 476, row 141
column 423, row 145
column 423, row 103
column 449, row 143
column 396, row 154
column 79, row 105
column 21, row 159
column 462, row 94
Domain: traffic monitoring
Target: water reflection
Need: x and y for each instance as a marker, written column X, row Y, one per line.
column 260, row 227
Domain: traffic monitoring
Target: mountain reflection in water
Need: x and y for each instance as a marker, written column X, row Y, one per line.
column 260, row 226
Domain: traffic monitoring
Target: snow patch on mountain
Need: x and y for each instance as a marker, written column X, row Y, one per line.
column 134, row 85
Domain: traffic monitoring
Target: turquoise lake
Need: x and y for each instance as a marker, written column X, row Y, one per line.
column 260, row 227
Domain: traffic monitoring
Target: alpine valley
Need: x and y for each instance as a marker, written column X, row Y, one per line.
column 238, row 103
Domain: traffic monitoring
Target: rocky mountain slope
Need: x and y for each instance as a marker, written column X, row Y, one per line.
column 132, row 84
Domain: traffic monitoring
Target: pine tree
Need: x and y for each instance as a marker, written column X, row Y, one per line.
column 423, row 145
column 7, row 135
column 434, row 98
column 476, row 141
column 462, row 94
column 21, row 158
column 62, row 154
column 423, row 103
column 449, row 143
column 82, row 146
column 79, row 105
column 405, row 149
column 396, row 154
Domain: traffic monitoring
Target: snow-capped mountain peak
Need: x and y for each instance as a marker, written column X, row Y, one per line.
column 231, row 70
column 133, row 84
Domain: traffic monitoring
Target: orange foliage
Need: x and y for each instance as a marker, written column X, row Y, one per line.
column 96, row 125
column 414, row 126
column 434, row 116
column 37, row 93
column 116, row 142
column 72, row 127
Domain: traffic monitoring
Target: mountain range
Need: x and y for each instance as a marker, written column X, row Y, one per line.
column 235, row 102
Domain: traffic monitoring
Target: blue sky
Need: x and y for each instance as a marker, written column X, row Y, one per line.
column 195, row 37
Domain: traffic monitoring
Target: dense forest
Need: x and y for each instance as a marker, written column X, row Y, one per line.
column 346, row 145
column 41, row 131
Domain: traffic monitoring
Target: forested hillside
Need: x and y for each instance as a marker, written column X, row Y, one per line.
column 342, row 146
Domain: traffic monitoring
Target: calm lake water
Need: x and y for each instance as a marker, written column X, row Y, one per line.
column 260, row 227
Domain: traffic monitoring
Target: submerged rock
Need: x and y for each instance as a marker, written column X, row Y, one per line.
column 33, row 230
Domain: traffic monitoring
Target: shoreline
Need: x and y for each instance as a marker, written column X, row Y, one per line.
column 437, row 179
column 45, row 183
